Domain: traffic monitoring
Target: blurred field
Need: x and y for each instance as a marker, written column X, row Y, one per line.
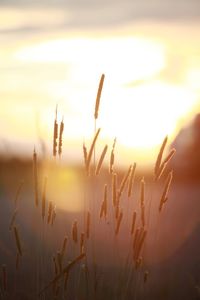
column 171, row 255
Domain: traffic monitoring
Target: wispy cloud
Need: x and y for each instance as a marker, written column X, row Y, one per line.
column 29, row 16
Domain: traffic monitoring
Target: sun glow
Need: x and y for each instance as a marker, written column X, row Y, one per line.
column 62, row 182
column 138, row 106
column 141, row 117
column 122, row 59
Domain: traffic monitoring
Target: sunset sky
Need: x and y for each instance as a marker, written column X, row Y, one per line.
column 55, row 52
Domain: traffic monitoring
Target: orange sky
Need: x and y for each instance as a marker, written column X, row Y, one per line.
column 151, row 86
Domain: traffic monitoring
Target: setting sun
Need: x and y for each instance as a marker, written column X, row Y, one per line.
column 138, row 106
column 150, row 91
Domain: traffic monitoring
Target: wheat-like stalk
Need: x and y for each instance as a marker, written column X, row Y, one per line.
column 112, row 157
column 60, row 138
column 117, row 210
column 146, row 275
column 138, row 263
column 165, row 163
column 53, row 217
column 159, row 157
column 89, row 157
column 160, row 171
column 75, row 232
column 82, row 241
column 64, row 246
column 164, row 196
column 35, row 177
column 123, row 183
column 50, row 210
column 143, row 215
column 133, row 222
column 114, row 189
column 140, row 243
column 64, row 271
column 61, row 253
column 136, row 238
column 55, row 266
column 98, row 168
column 85, row 154
column 96, row 112
column 55, row 135
column 17, row 240
column 59, row 260
column 142, row 200
column 88, row 221
column 169, row 156
column 142, row 191
column 131, row 180
column 119, row 220
column 12, row 221
column 104, row 205
column 44, row 198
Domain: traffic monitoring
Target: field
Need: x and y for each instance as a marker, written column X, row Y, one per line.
column 78, row 243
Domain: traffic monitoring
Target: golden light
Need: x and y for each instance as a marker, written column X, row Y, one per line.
column 122, row 59
column 141, row 117
column 137, row 106
column 64, row 188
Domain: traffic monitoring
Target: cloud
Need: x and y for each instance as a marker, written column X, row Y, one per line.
column 28, row 16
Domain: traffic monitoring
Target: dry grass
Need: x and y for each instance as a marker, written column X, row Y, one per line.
column 75, row 232
column 104, row 205
column 98, row 168
column 35, row 177
column 121, row 208
column 17, row 240
column 89, row 156
column 112, row 157
column 164, row 196
column 99, row 96
column 44, row 198
column 159, row 157
column 55, row 135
